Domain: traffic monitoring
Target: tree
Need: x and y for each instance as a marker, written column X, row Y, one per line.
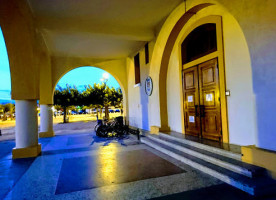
column 66, row 97
column 1, row 110
column 116, row 98
column 8, row 108
column 98, row 96
column 101, row 96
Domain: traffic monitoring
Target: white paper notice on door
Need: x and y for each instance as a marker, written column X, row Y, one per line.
column 190, row 99
column 192, row 119
column 209, row 97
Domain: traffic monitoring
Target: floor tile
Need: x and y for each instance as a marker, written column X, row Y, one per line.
column 112, row 168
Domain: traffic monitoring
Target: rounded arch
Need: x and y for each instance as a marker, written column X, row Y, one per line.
column 23, row 49
column 160, row 58
column 167, row 53
column 68, row 70
column 122, row 83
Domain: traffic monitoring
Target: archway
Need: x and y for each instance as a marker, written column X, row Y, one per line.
column 170, row 64
column 87, row 79
column 78, row 67
column 81, row 77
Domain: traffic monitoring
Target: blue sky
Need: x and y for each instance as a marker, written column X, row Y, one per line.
column 5, row 77
column 86, row 75
column 79, row 77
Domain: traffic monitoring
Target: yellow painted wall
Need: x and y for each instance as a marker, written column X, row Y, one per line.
column 23, row 46
column 241, row 111
column 260, row 157
column 158, row 49
column 45, row 82
column 249, row 44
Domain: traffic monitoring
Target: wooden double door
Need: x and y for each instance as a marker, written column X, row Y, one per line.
column 202, row 100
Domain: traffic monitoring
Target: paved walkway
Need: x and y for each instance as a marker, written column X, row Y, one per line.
column 82, row 166
column 8, row 133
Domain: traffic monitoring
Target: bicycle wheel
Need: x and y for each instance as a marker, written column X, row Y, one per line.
column 102, row 131
column 96, row 127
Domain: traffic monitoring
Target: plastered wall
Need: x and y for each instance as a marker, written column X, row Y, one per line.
column 24, row 48
column 249, row 47
column 139, row 115
column 241, row 103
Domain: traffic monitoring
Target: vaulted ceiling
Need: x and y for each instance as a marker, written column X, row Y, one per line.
column 104, row 29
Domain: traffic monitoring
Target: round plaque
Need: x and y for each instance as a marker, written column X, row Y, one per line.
column 148, row 86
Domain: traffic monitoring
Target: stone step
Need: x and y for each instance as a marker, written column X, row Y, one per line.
column 222, row 161
column 258, row 186
column 229, row 154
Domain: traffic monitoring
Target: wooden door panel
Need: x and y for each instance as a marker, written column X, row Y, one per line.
column 210, row 121
column 211, row 126
column 209, row 100
column 192, row 125
column 191, row 99
column 202, row 100
column 189, row 78
column 208, row 76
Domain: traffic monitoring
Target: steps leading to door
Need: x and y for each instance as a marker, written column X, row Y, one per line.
column 236, row 156
column 223, row 165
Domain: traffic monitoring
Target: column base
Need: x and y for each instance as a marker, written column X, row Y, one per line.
column 164, row 129
column 154, row 130
column 260, row 157
column 27, row 152
column 46, row 134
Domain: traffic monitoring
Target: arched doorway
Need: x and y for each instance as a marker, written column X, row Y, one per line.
column 202, row 78
column 234, row 56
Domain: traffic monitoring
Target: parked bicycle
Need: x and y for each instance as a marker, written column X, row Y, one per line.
column 115, row 128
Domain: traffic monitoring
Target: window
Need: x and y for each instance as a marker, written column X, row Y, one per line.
column 200, row 42
column 137, row 68
column 147, row 53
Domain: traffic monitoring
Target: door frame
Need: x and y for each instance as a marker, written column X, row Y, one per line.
column 219, row 54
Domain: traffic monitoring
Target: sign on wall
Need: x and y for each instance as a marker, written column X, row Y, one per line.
column 148, row 86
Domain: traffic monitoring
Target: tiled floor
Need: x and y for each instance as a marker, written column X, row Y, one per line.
column 83, row 166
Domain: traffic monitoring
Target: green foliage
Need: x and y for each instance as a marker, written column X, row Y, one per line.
column 97, row 96
column 9, row 107
column 7, row 110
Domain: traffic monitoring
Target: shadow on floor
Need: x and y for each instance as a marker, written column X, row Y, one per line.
column 216, row 192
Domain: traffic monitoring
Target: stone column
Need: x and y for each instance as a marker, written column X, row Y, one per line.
column 26, row 131
column 46, row 121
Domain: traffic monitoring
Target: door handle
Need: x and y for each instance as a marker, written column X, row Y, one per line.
column 202, row 110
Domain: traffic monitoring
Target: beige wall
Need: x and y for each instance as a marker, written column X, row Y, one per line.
column 139, row 115
column 45, row 83
column 241, row 103
column 249, row 47
column 24, row 48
